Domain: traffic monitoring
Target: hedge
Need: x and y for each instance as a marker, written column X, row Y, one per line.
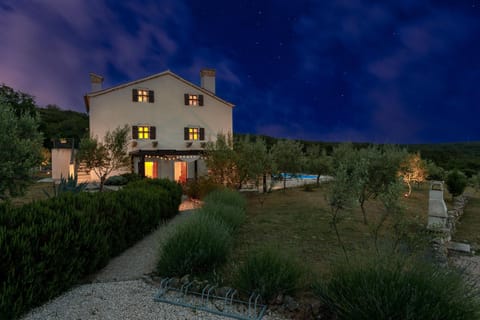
column 48, row 246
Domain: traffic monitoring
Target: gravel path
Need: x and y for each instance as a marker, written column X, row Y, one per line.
column 470, row 265
column 140, row 259
column 119, row 292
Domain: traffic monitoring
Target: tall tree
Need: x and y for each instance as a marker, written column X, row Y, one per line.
column 287, row 156
column 104, row 157
column 20, row 150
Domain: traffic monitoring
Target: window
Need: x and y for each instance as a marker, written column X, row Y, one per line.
column 143, row 95
column 194, row 133
column 143, row 132
column 193, row 99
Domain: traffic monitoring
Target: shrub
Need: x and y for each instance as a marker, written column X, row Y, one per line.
column 116, row 181
column 47, row 246
column 226, row 196
column 196, row 247
column 269, row 272
column 131, row 177
column 198, row 189
column 456, row 183
column 395, row 287
column 232, row 216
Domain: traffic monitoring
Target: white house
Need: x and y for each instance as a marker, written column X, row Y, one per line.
column 171, row 119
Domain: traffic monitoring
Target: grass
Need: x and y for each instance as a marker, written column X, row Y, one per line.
column 299, row 222
column 469, row 226
column 34, row 192
column 397, row 287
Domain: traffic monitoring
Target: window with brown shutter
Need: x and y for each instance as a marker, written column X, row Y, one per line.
column 194, row 133
column 143, row 95
column 194, row 100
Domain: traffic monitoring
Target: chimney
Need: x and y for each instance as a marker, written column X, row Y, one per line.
column 96, row 82
column 207, row 79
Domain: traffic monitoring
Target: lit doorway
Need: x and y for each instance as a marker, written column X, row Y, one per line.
column 151, row 169
column 180, row 171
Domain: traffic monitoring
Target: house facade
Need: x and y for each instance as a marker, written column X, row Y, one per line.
column 170, row 118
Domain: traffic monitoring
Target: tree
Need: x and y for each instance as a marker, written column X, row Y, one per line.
column 56, row 123
column 20, row 150
column 377, row 170
column 107, row 156
column 318, row 162
column 434, row 172
column 340, row 199
column 22, row 104
column 287, row 156
column 456, row 183
column 221, row 161
column 253, row 160
column 412, row 170
column 476, row 181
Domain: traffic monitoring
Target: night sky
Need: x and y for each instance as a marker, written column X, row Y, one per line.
column 405, row 71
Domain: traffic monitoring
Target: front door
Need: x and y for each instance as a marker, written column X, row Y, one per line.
column 151, row 169
column 180, row 171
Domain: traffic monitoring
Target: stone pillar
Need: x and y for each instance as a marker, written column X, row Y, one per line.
column 437, row 209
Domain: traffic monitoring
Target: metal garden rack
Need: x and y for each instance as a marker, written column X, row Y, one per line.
column 227, row 306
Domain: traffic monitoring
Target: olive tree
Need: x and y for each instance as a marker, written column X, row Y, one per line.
column 254, row 161
column 287, row 156
column 412, row 170
column 221, row 161
column 104, row 157
column 20, row 150
column 318, row 162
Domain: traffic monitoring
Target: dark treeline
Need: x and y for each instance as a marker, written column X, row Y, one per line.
column 464, row 156
column 56, row 123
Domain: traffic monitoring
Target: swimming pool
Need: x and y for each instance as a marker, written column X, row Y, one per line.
column 298, row 176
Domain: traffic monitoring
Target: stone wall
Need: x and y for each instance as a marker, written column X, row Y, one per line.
column 442, row 241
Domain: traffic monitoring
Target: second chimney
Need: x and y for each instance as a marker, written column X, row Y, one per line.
column 96, row 82
column 207, row 79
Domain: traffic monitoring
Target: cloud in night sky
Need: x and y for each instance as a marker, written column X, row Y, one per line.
column 392, row 71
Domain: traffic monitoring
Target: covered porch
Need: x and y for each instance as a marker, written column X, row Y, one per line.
column 176, row 165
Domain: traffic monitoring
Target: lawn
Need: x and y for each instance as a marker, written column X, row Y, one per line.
column 469, row 227
column 36, row 191
column 299, row 222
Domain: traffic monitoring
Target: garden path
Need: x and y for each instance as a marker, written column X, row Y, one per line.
column 141, row 258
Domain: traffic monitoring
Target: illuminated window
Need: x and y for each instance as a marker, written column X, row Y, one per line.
column 193, row 99
column 143, row 132
column 194, row 133
column 142, row 95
